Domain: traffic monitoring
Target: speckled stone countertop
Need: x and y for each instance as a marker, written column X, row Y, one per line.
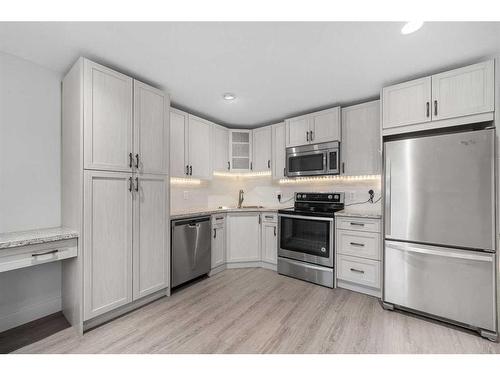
column 37, row 236
column 368, row 214
column 211, row 211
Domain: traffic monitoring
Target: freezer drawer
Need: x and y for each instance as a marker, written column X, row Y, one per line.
column 454, row 284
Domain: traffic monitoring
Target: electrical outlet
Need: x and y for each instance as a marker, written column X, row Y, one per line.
column 186, row 195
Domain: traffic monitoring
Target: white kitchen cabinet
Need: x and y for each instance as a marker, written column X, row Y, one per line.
column 243, row 237
column 325, row 126
column 278, row 159
column 108, row 118
column 406, row 103
column 317, row 127
column 261, row 160
column 360, row 147
column 150, row 237
column 456, row 97
column 218, row 240
column 178, row 152
column 220, row 148
column 107, row 241
column 240, row 149
column 463, row 91
column 151, row 128
column 269, row 238
column 199, row 142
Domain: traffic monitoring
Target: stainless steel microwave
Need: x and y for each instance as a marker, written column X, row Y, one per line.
column 313, row 160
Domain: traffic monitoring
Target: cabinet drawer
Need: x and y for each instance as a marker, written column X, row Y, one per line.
column 360, row 224
column 269, row 217
column 218, row 219
column 360, row 271
column 359, row 244
column 32, row 255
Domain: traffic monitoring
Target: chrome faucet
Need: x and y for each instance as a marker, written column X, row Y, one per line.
column 240, row 199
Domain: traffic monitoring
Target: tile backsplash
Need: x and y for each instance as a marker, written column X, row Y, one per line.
column 262, row 190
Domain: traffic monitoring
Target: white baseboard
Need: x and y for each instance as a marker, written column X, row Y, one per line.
column 29, row 313
column 218, row 269
column 258, row 264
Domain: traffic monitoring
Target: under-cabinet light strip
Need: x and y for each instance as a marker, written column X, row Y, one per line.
column 242, row 174
column 298, row 180
column 184, row 181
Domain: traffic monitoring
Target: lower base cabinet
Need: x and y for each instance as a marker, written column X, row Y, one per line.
column 218, row 240
column 243, row 237
column 270, row 238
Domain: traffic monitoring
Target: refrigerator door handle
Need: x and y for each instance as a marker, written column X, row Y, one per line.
column 423, row 249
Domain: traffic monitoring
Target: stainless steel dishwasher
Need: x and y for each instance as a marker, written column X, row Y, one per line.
column 191, row 249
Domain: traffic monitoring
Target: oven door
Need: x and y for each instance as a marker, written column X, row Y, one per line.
column 306, row 238
column 308, row 163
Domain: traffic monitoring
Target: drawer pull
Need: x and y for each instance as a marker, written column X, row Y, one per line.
column 357, row 244
column 358, row 224
column 46, row 253
column 219, row 218
column 356, row 270
column 268, row 217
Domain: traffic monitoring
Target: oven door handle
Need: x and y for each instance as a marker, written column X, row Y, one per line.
column 329, row 219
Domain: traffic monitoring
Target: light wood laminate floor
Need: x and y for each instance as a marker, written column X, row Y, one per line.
column 258, row 311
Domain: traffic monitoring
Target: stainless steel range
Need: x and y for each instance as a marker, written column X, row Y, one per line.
column 306, row 237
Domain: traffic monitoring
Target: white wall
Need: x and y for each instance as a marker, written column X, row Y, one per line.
column 30, row 183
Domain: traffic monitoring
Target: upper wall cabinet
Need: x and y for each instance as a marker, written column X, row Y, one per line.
column 108, row 97
column 220, row 148
column 261, row 160
column 240, row 149
column 278, row 162
column 190, row 144
column 151, row 128
column 317, row 127
column 460, row 96
column 360, row 147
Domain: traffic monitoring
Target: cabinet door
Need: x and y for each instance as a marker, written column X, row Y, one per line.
column 151, row 119
column 243, row 237
column 107, row 118
column 297, row 131
column 278, row 151
column 178, row 152
column 464, row 91
column 262, row 149
column 325, row 126
column 406, row 103
column 360, row 147
column 220, row 148
column 218, row 245
column 240, row 149
column 269, row 243
column 107, row 242
column 151, row 234
column 199, row 138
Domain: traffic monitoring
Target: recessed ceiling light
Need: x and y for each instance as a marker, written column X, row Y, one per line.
column 411, row 27
column 229, row 96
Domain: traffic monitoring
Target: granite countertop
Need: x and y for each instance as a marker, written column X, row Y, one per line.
column 352, row 212
column 37, row 236
column 210, row 211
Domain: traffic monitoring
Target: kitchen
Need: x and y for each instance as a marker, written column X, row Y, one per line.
column 174, row 231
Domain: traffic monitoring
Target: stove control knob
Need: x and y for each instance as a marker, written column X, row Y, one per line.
column 330, row 196
column 298, row 196
column 303, row 195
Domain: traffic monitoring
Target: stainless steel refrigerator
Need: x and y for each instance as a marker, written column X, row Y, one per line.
column 439, row 219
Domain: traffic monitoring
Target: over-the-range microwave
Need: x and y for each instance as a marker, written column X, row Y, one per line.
column 313, row 160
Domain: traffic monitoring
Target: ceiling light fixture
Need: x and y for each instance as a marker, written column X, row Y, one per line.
column 229, row 96
column 411, row 27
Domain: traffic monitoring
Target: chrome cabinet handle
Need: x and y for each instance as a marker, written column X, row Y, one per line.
column 219, row 218
column 228, row 165
column 358, row 224
column 45, row 253
column 137, row 184
column 251, row 166
column 343, row 167
column 284, row 172
column 428, row 109
column 260, row 219
column 307, row 136
column 215, row 232
column 137, row 161
column 130, row 159
column 356, row 270
column 187, row 170
column 357, row 244
column 268, row 217
column 130, row 183
column 274, row 231
column 312, row 135
column 269, row 164
column 190, row 170
column 435, row 107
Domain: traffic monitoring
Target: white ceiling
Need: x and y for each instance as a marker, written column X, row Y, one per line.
column 276, row 69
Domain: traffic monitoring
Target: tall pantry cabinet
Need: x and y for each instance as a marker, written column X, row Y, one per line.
column 115, row 192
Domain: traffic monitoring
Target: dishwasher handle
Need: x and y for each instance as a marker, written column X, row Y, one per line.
column 191, row 222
